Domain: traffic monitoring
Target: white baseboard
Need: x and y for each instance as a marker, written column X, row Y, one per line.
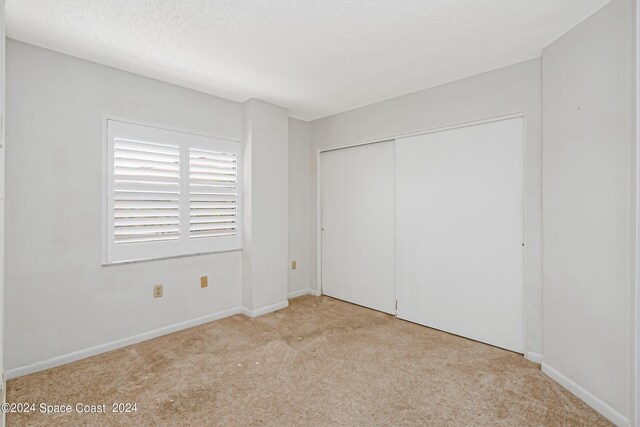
column 533, row 357
column 265, row 310
column 113, row 345
column 301, row 292
column 596, row 403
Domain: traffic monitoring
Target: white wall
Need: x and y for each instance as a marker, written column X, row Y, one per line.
column 266, row 139
column 636, row 291
column 298, row 205
column 512, row 89
column 588, row 139
column 2, row 191
column 59, row 299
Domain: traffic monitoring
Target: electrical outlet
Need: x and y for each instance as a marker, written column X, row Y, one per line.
column 294, row 264
column 204, row 281
column 157, row 291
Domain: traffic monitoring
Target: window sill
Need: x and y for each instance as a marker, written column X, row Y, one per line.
column 137, row 261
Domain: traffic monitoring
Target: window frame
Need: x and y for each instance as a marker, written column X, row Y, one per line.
column 184, row 245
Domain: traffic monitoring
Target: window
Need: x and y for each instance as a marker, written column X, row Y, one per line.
column 170, row 193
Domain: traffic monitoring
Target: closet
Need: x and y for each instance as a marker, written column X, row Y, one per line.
column 430, row 227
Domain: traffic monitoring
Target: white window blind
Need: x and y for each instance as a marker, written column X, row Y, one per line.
column 170, row 193
column 213, row 193
column 146, row 192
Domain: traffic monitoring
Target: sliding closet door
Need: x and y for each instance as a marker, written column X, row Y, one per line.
column 357, row 237
column 459, row 224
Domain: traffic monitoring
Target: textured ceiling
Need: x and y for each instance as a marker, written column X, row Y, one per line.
column 315, row 57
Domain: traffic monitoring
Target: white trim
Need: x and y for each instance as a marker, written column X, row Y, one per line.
column 524, row 239
column 395, row 229
column 301, row 292
column 533, row 357
column 265, row 310
column 596, row 403
column 113, row 345
column 427, row 131
column 635, row 303
column 137, row 261
column 319, row 223
column 159, row 125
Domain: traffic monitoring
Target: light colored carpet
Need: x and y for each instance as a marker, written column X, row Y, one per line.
column 318, row 362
